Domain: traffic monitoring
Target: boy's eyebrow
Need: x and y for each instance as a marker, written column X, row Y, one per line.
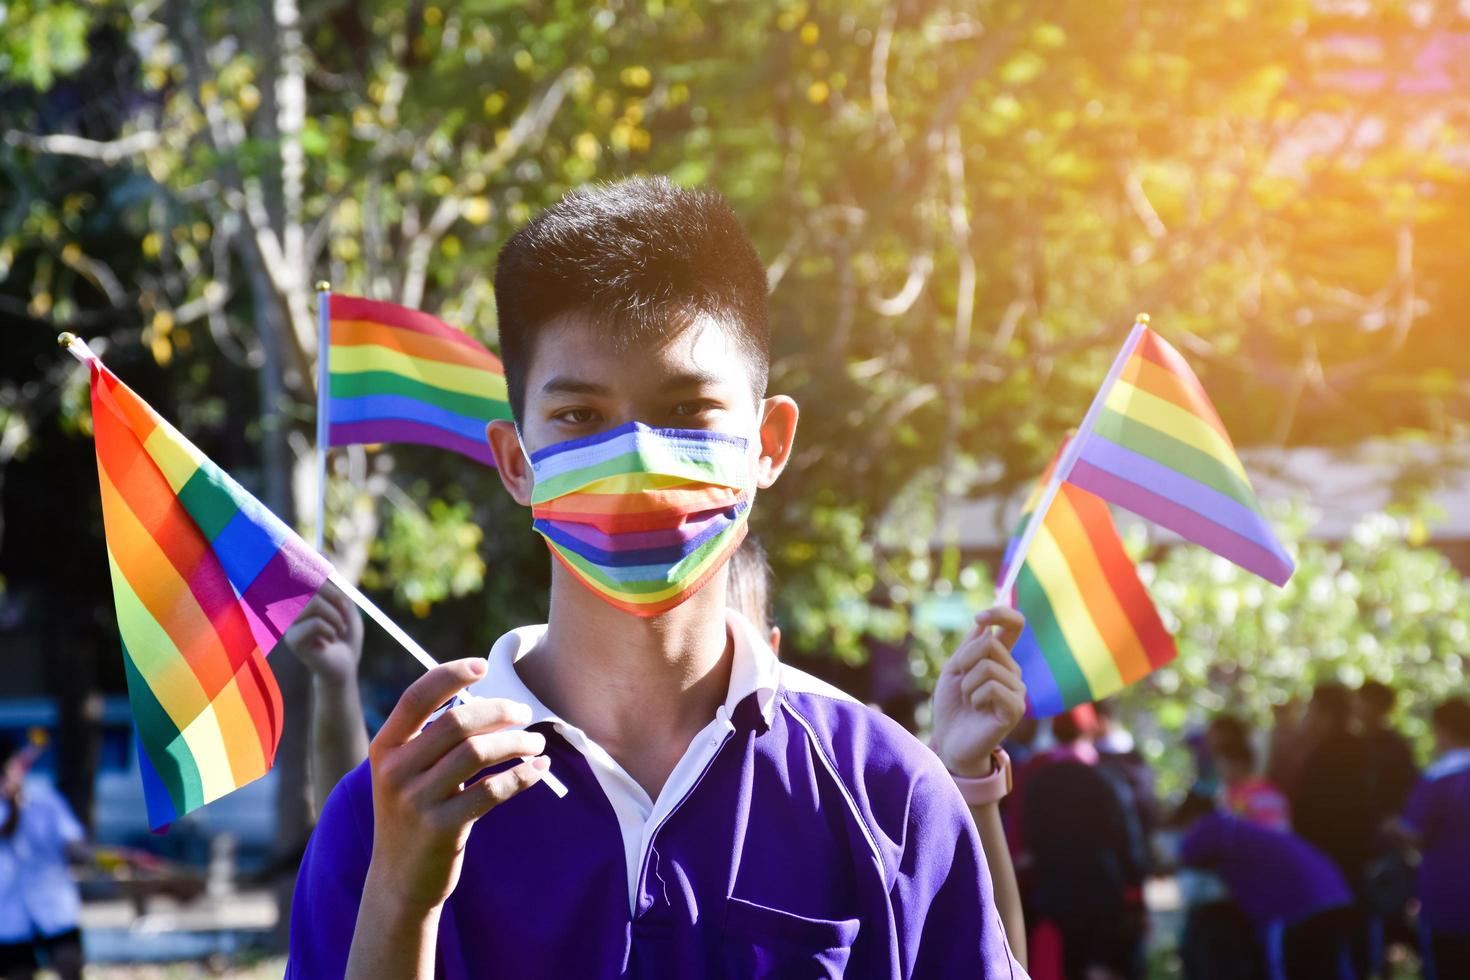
column 685, row 380
column 562, row 385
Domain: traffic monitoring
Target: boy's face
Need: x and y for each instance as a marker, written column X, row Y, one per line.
column 579, row 384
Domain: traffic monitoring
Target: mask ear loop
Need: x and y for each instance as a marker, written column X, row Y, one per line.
column 521, row 442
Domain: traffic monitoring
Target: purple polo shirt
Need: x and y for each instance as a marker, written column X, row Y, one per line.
column 815, row 838
column 1275, row 877
column 1439, row 812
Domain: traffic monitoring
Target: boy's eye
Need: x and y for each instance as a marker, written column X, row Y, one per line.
column 576, row 416
column 695, row 407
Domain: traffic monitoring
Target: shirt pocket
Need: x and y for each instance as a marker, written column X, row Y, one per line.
column 775, row 945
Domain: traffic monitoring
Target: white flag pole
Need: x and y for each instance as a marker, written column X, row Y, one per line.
column 77, row 347
column 1068, row 460
column 323, row 397
column 419, row 653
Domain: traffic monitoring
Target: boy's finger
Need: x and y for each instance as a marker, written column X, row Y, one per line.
column 1008, row 623
column 1001, row 654
column 423, row 698
column 989, row 671
column 474, row 755
column 477, row 716
column 966, row 656
column 1011, row 702
column 483, row 795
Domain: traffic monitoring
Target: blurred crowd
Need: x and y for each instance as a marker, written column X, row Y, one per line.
column 1319, row 848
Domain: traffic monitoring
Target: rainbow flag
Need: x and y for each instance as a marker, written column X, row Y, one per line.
column 1159, row 449
column 401, row 375
column 205, row 580
column 1091, row 628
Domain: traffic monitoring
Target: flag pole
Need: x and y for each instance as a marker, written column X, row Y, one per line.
column 323, row 395
column 1068, row 460
column 77, row 347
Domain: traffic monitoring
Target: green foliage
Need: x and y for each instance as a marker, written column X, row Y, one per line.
column 1378, row 607
column 40, row 40
column 427, row 556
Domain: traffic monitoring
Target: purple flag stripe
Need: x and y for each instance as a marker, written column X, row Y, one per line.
column 282, row 589
column 1184, row 490
column 399, row 430
column 639, row 540
column 1272, row 567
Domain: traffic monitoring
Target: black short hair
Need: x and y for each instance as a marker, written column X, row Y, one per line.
column 1377, row 695
column 1334, row 702
column 1237, row 750
column 1453, row 718
column 639, row 258
column 1227, row 727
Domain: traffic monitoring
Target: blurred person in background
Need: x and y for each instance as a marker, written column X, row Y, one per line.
column 1085, row 854
column 1389, row 759
column 749, row 591
column 1436, row 821
column 1117, row 752
column 40, row 906
column 1295, row 898
column 1245, row 792
column 1388, row 886
column 1216, row 941
column 327, row 638
column 1328, row 799
column 1286, row 746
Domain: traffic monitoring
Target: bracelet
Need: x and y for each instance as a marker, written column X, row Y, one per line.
column 983, row 790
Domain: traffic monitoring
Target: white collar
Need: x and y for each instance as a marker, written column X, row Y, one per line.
column 754, row 669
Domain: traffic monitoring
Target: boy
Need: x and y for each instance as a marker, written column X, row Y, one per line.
column 727, row 815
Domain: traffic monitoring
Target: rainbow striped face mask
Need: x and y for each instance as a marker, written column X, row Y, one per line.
column 643, row 517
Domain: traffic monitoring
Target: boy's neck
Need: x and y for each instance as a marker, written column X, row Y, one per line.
column 642, row 688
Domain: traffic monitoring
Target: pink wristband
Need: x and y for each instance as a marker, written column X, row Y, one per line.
column 986, row 789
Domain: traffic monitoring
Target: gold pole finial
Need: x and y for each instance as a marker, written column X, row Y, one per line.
column 65, row 340
column 1141, row 318
column 322, row 286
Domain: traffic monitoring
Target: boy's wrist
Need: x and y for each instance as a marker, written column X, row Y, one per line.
column 394, row 910
column 990, row 788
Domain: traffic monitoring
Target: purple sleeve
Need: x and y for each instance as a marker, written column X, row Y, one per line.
column 943, row 882
column 330, row 881
column 1419, row 811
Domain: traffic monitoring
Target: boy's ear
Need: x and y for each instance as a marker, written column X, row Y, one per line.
column 778, row 432
column 510, row 462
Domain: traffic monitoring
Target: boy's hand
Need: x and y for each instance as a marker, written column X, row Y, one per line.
column 422, row 809
column 327, row 636
column 979, row 697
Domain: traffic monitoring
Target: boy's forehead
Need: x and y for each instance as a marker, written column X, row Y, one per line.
column 575, row 348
